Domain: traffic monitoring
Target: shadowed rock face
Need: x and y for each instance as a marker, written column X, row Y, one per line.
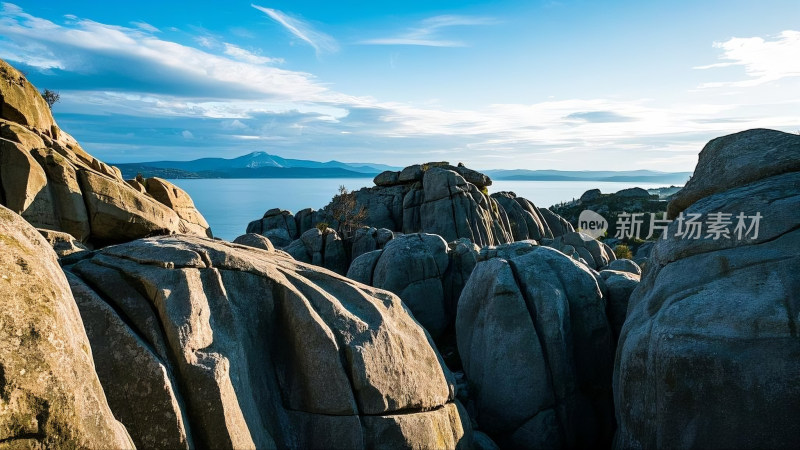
column 244, row 348
column 537, row 349
column 709, row 355
column 47, row 178
column 50, row 396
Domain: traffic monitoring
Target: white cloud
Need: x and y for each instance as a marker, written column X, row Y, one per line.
column 317, row 39
column 144, row 26
column 763, row 60
column 426, row 34
column 187, row 134
column 243, row 55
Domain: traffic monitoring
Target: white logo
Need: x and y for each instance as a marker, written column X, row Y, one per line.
column 592, row 223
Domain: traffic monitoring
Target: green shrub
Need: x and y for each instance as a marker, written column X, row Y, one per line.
column 623, row 252
column 322, row 226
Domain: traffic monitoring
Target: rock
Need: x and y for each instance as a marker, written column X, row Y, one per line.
column 367, row 239
column 634, row 192
column 594, row 252
column 305, row 220
column 619, row 287
column 362, row 268
column 22, row 103
column 49, row 180
column 473, row 176
column 481, row 441
column 321, row 248
column 387, row 178
column 536, row 348
column 412, row 266
column 50, row 396
column 267, row 352
column 462, row 257
column 255, row 241
column 590, row 195
column 644, row 250
column 506, row 251
column 453, row 208
column 624, row 265
column 525, row 224
column 179, row 201
column 67, row 248
column 117, row 213
column 279, row 236
column 384, row 206
column 557, row 224
column 708, row 355
column 735, row 160
column 411, row 174
column 145, row 400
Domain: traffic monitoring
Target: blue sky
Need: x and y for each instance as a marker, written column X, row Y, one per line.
column 574, row 85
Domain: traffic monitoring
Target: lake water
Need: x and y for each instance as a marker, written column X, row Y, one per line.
column 230, row 204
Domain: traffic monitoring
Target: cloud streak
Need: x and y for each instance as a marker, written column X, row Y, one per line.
column 320, row 41
column 427, row 33
column 764, row 60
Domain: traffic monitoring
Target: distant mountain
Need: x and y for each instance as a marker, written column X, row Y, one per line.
column 639, row 176
column 264, row 165
column 252, row 165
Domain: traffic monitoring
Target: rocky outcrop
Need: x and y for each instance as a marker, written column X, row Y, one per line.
column 525, row 219
column 434, row 198
column 557, row 224
column 618, row 287
column 736, row 160
column 241, row 348
column 50, row 396
column 708, row 354
column 67, row 248
column 47, row 178
column 255, row 241
column 367, row 239
column 321, row 248
column 583, row 247
column 537, row 351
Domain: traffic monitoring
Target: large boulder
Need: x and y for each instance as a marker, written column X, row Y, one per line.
column 50, row 395
column 453, row 208
column 47, row 178
column 524, row 219
column 581, row 246
column 537, row 351
column 179, row 201
column 709, row 355
column 256, row 350
column 412, row 266
column 322, row 248
column 557, row 224
column 735, row 160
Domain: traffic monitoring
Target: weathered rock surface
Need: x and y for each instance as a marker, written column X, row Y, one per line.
column 536, row 348
column 67, row 248
column 581, row 246
column 735, row 160
column 557, row 224
column 47, row 178
column 618, row 289
column 624, row 265
column 427, row 273
column 260, row 351
column 321, row 248
column 524, row 217
column 255, row 241
column 708, row 355
column 367, row 239
column 50, row 396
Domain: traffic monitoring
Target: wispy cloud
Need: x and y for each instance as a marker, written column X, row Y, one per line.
column 243, row 55
column 764, row 60
column 145, row 27
column 427, row 33
column 320, row 41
